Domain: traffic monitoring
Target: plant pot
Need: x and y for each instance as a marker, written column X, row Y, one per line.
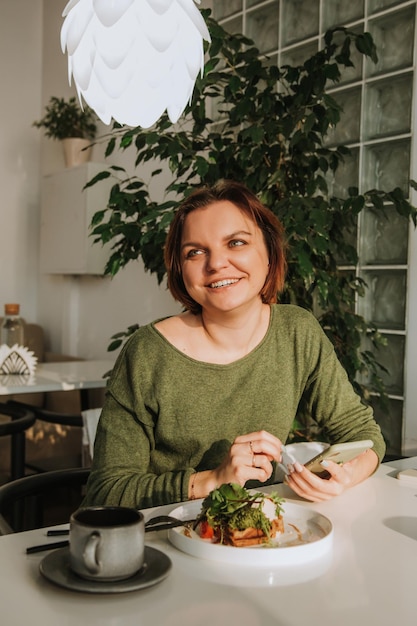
column 76, row 151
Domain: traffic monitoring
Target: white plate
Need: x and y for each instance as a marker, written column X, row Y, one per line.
column 308, row 536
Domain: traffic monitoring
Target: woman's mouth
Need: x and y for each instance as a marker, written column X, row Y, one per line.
column 224, row 283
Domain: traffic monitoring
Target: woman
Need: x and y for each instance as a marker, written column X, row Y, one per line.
column 209, row 396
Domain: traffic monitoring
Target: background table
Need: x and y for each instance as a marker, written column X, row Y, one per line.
column 371, row 580
column 62, row 376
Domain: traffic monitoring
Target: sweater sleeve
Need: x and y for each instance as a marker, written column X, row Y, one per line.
column 331, row 399
column 124, row 441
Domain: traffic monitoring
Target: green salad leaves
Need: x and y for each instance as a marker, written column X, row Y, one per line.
column 233, row 506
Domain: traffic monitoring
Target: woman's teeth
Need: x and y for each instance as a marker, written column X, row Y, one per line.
column 224, row 283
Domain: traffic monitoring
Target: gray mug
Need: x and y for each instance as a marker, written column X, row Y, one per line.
column 106, row 542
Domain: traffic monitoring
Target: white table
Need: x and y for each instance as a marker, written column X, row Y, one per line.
column 58, row 376
column 63, row 376
column 372, row 579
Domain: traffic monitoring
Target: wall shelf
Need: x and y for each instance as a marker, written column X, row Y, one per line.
column 66, row 246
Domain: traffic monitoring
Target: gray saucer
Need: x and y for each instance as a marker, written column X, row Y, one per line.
column 55, row 567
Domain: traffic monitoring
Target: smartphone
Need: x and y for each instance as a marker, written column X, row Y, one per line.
column 339, row 453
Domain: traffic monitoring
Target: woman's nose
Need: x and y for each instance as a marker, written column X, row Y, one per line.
column 216, row 259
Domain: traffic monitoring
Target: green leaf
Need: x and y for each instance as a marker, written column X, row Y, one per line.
column 126, row 140
column 366, row 45
column 110, row 147
column 377, row 201
column 304, row 260
column 97, row 217
column 114, row 345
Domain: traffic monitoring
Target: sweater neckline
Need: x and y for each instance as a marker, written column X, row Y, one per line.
column 243, row 359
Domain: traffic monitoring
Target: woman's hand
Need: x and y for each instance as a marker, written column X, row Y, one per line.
column 250, row 458
column 342, row 477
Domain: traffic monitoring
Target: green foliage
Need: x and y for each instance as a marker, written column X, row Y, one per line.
column 64, row 119
column 118, row 338
column 269, row 132
column 231, row 505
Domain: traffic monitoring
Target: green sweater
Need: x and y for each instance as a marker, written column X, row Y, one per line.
column 167, row 415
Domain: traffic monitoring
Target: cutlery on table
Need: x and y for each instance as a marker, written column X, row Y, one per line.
column 160, row 522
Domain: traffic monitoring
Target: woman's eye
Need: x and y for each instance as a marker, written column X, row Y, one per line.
column 192, row 253
column 236, row 242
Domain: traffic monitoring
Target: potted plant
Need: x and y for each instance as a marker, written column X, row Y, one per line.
column 274, row 139
column 75, row 127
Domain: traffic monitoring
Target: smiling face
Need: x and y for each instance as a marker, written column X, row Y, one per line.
column 224, row 259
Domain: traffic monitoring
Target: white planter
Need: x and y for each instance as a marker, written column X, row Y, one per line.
column 76, row 151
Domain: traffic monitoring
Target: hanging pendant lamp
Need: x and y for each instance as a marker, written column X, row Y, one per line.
column 133, row 59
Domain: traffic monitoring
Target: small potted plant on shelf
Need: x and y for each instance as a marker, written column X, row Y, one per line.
column 75, row 127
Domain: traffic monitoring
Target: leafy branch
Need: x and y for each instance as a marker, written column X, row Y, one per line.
column 252, row 121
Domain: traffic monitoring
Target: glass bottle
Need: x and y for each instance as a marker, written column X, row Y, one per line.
column 12, row 328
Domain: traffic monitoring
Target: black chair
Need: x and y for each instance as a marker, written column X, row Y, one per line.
column 22, row 418
column 52, row 417
column 36, row 492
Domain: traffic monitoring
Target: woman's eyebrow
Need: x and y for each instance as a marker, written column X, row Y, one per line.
column 190, row 244
column 238, row 233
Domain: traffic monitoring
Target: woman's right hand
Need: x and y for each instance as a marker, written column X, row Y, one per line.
column 249, row 458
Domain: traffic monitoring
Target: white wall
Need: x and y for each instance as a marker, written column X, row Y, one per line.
column 20, row 73
column 79, row 314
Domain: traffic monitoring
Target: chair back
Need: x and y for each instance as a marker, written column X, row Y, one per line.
column 29, row 491
column 64, row 424
column 22, row 418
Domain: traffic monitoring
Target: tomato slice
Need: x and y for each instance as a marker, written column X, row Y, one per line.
column 206, row 531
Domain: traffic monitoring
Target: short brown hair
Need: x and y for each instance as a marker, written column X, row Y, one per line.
column 246, row 201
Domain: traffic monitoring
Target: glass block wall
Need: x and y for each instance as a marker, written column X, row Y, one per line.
column 377, row 124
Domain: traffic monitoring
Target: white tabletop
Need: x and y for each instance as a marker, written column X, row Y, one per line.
column 63, row 376
column 371, row 580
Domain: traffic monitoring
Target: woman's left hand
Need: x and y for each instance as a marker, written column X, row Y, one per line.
column 341, row 477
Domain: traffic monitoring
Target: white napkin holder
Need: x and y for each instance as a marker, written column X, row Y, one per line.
column 17, row 360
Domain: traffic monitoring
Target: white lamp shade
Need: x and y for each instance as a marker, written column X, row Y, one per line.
column 133, row 59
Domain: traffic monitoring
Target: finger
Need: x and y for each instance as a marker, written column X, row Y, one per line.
column 261, row 468
column 301, row 476
column 301, row 485
column 337, row 472
column 240, row 469
column 314, row 487
column 260, row 435
column 261, row 442
column 311, row 496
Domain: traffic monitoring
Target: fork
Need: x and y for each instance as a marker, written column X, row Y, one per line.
column 164, row 522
